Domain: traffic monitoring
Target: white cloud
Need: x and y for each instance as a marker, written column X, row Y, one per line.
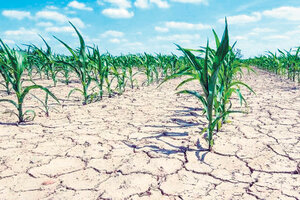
column 112, row 33
column 51, row 15
column 24, row 36
column 134, row 44
column 79, row 6
column 257, row 31
column 192, row 1
column 179, row 38
column 286, row 12
column 181, row 26
column 263, row 30
column 16, row 14
column 146, row 3
column 44, row 24
column 58, row 17
column 160, row 3
column 242, row 19
column 100, row 3
column 52, row 7
column 161, row 29
column 77, row 22
column 9, row 41
column 117, row 13
column 294, row 33
column 275, row 37
column 186, row 26
column 142, row 4
column 68, row 11
column 57, row 29
column 21, row 31
column 239, row 37
column 115, row 40
column 248, row 5
column 119, row 9
column 119, row 3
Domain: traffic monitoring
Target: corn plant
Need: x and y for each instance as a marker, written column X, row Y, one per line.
column 227, row 83
column 14, row 69
column 206, row 72
column 44, row 103
column 80, row 66
column 148, row 61
column 173, row 62
column 100, row 70
column 64, row 69
column 291, row 63
column 120, row 75
column 287, row 63
column 128, row 62
column 34, row 64
column 3, row 72
column 48, row 60
column 106, row 73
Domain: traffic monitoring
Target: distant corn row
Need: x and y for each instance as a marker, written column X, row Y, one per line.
column 110, row 74
column 216, row 71
column 283, row 62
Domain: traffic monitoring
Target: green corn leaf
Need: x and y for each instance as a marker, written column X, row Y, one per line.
column 82, row 44
column 73, row 90
column 7, row 50
column 10, row 101
column 196, row 94
column 205, row 75
column 48, row 47
column 241, row 98
column 27, row 118
column 241, row 83
column 28, row 88
column 185, row 81
column 191, row 58
column 69, row 48
column 216, row 39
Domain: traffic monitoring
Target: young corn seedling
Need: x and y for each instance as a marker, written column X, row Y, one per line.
column 128, row 62
column 173, row 63
column 227, row 84
column 34, row 64
column 48, row 61
column 44, row 103
column 99, row 70
column 64, row 69
column 206, row 72
column 3, row 72
column 286, row 64
column 80, row 66
column 148, row 62
column 120, row 75
column 162, row 62
column 106, row 73
column 15, row 69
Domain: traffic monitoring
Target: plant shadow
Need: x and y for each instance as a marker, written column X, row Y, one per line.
column 16, row 124
column 169, row 148
column 176, row 120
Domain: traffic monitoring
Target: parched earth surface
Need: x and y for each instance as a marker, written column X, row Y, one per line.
column 146, row 144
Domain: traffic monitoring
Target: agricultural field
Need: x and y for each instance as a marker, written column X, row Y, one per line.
column 197, row 123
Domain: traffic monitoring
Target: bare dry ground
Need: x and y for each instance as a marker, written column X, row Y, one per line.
column 145, row 144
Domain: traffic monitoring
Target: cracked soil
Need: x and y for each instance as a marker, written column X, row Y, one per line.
column 146, row 144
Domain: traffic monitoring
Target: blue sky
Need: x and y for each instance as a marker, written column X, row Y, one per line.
column 137, row 26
